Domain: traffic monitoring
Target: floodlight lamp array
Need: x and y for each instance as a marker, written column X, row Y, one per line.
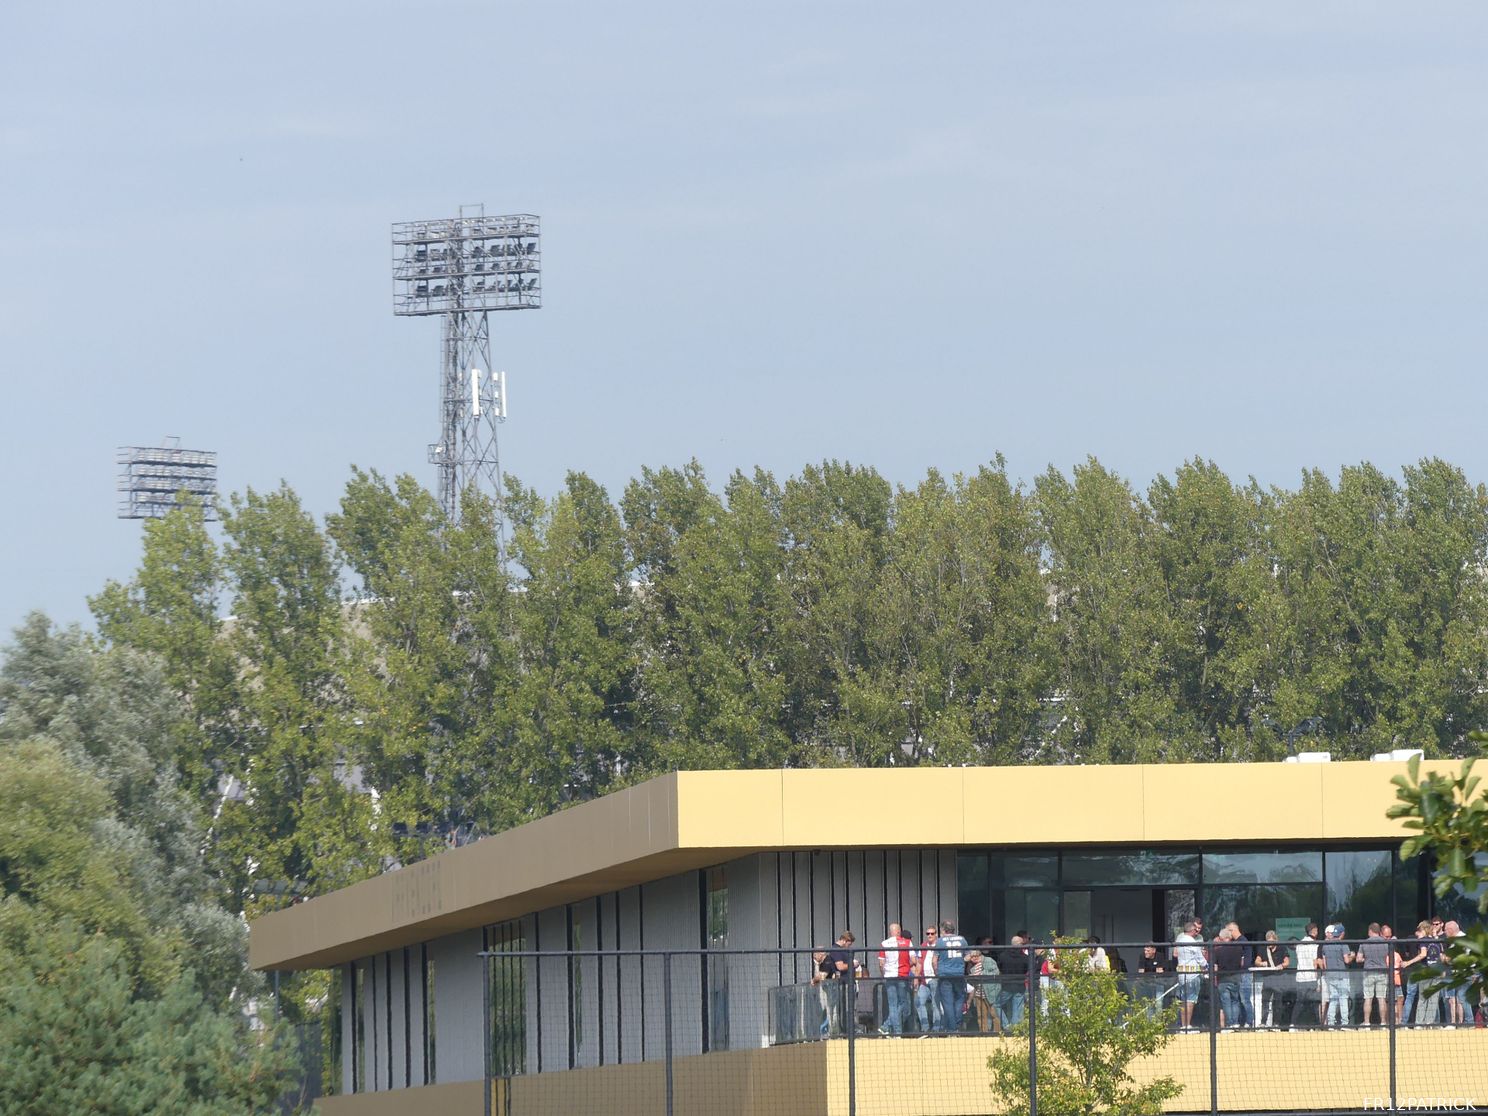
column 467, row 264
column 153, row 480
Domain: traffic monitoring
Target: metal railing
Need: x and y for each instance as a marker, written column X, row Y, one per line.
column 712, row 1031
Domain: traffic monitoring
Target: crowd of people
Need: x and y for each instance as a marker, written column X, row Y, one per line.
column 944, row 984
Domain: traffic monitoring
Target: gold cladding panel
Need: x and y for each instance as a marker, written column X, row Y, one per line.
column 872, row 808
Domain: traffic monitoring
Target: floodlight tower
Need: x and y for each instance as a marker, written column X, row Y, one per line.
column 154, row 478
column 461, row 268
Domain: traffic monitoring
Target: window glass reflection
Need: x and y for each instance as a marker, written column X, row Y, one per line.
column 1030, row 871
column 1261, row 907
column 1141, row 868
column 1289, row 866
column 1360, row 890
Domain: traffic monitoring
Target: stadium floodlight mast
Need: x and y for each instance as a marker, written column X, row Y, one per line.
column 153, row 480
column 461, row 268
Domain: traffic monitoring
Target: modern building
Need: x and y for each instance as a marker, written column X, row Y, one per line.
column 711, row 863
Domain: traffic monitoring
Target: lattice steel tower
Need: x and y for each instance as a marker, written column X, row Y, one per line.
column 462, row 268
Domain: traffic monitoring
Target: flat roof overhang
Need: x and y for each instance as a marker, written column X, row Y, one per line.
column 694, row 819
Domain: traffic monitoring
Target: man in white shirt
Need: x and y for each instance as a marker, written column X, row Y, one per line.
column 1190, row 960
column 1307, row 1011
column 896, row 964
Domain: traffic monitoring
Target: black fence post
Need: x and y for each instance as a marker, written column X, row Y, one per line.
column 1213, row 1039
column 851, row 1011
column 1390, row 1020
column 1031, row 987
column 486, row 1066
column 666, row 996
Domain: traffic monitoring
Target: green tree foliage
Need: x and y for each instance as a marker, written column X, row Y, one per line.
column 1385, row 583
column 711, row 688
column 831, row 619
column 1086, row 1043
column 123, row 985
column 170, row 610
column 564, row 735
column 431, row 659
column 1448, row 817
column 1118, row 696
column 298, row 818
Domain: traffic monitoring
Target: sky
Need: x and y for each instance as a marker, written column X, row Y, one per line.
column 903, row 235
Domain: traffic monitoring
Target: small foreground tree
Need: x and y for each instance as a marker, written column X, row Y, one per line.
column 1086, row 1040
column 1449, row 817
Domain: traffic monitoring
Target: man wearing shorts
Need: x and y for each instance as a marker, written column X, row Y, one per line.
column 1375, row 953
column 1189, row 960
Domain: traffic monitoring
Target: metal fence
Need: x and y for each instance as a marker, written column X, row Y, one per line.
column 1334, row 1026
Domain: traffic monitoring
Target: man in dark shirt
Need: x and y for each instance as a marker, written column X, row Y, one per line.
column 1228, row 958
column 841, row 957
column 1247, row 983
column 1336, row 957
column 1014, row 965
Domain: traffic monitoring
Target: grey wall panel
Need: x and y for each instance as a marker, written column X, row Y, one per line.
column 553, row 980
column 672, row 922
column 752, row 925
column 629, row 1036
column 875, row 916
column 801, row 937
column 397, row 1029
column 459, row 1003
column 585, row 974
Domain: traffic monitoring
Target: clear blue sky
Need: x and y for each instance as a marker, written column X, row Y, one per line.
column 905, row 235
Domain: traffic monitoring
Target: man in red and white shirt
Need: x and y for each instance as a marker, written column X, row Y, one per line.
column 896, row 963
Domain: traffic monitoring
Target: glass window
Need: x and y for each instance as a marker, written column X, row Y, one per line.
column 1034, row 911
column 1280, row 867
column 1411, row 898
column 1076, row 914
column 973, row 899
column 718, row 967
column 1027, row 871
column 1360, row 890
column 1140, row 868
column 1260, row 907
column 1461, row 906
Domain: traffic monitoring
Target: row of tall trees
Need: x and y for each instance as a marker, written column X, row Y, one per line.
column 830, row 619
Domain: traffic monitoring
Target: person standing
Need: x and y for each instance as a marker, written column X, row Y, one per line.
column 1307, row 1010
column 1014, row 966
column 1458, row 1010
column 1269, row 968
column 896, row 963
column 1413, row 956
column 1227, row 959
column 927, row 958
column 1247, row 983
column 1375, row 952
column 1190, row 961
column 1334, row 958
column 951, row 970
column 829, row 990
column 1431, row 996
